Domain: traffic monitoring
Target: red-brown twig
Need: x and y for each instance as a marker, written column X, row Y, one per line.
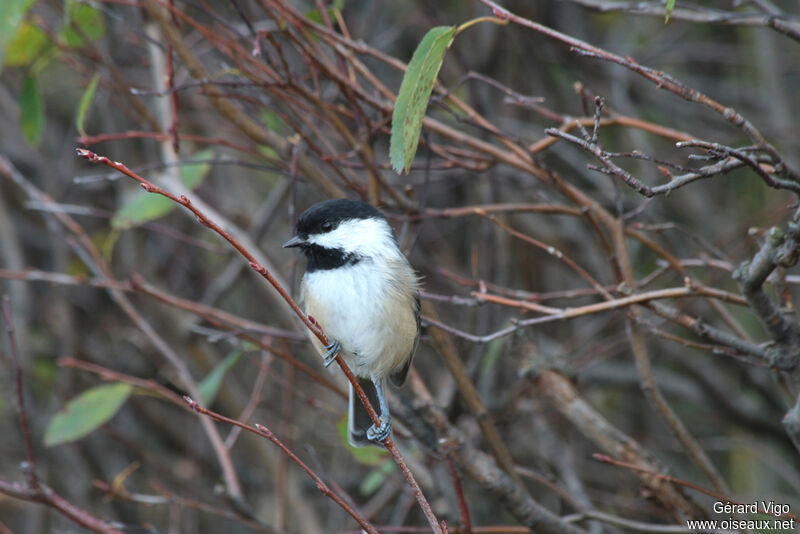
column 45, row 495
column 88, row 140
column 659, row 78
column 36, row 490
column 170, row 80
column 215, row 316
column 312, row 326
column 255, row 396
column 22, row 415
column 86, row 249
column 615, row 304
column 265, row 432
column 674, row 480
column 115, row 376
column 550, row 250
column 463, row 509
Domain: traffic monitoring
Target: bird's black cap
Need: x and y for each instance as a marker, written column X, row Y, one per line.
column 326, row 215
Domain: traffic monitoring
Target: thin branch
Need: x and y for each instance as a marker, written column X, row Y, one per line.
column 265, row 432
column 463, row 509
column 629, row 524
column 85, row 248
column 674, row 480
column 484, row 470
column 45, row 495
column 567, row 400
column 615, row 303
column 700, row 14
column 22, row 414
column 605, row 159
column 312, row 326
column 660, row 79
column 571, row 313
column 255, row 397
column 720, row 151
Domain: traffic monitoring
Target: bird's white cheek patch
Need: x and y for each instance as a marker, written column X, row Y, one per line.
column 363, row 237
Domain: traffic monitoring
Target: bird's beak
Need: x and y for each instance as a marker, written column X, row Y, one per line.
column 296, row 241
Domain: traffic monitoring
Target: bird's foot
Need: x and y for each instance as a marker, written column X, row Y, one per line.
column 380, row 433
column 332, row 351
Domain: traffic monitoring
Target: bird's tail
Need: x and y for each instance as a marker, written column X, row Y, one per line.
column 358, row 420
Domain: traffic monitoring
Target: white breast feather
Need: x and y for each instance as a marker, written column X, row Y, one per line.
column 362, row 305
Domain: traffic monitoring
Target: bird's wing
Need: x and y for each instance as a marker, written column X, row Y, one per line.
column 398, row 378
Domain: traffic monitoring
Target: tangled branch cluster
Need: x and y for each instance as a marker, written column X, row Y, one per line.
column 610, row 340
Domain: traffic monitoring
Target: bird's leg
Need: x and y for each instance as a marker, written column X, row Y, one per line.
column 380, row 433
column 332, row 349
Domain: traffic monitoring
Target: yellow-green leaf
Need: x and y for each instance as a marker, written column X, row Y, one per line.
column 211, row 383
column 376, row 477
column 145, row 207
column 670, row 7
column 31, row 105
column 315, row 16
column 140, row 209
column 25, row 46
column 12, row 13
column 86, row 101
column 86, row 412
column 81, row 20
column 415, row 90
column 362, row 455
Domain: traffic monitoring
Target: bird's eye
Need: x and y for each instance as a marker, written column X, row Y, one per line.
column 327, row 226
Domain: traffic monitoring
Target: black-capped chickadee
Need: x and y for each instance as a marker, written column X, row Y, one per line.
column 364, row 294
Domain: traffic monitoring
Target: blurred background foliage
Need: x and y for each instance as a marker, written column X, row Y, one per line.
column 93, row 74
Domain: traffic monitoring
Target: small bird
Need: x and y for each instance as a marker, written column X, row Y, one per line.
column 360, row 288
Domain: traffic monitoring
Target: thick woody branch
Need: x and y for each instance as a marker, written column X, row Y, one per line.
column 779, row 249
column 567, row 400
column 484, row 470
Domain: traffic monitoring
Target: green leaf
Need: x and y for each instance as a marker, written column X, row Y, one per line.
column 86, row 412
column 12, row 13
column 140, row 209
column 81, row 20
column 363, row 455
column 25, row 46
column 45, row 372
column 493, row 352
column 31, row 106
column 193, row 174
column 670, row 7
column 376, row 478
column 145, row 207
column 211, row 383
column 86, row 101
column 275, row 123
column 314, row 15
column 415, row 90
